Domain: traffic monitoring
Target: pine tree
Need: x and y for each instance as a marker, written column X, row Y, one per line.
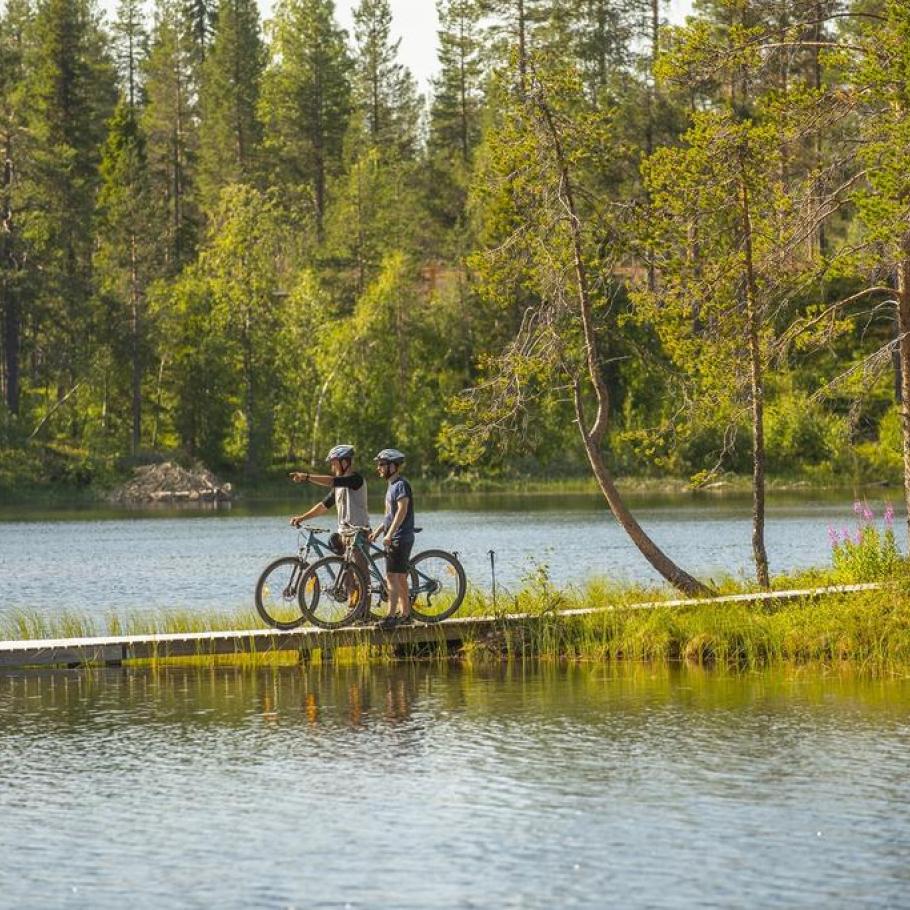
column 14, row 24
column 306, row 101
column 70, row 92
column 455, row 112
column 170, row 125
column 130, row 48
column 385, row 92
column 511, row 29
column 880, row 79
column 198, row 17
column 125, row 252
column 230, row 133
column 598, row 34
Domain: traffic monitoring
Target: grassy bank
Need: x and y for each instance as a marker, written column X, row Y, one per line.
column 869, row 630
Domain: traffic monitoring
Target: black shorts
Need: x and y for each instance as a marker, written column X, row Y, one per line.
column 398, row 556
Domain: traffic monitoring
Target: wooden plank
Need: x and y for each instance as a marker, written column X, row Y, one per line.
column 114, row 649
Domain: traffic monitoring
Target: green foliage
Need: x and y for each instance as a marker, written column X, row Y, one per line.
column 882, row 458
column 230, row 134
column 306, row 101
column 384, row 91
column 801, row 431
column 268, row 242
column 868, row 554
column 170, row 123
column 455, row 113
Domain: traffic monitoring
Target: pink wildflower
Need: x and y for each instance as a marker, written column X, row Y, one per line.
column 889, row 514
column 857, row 507
column 833, row 536
column 868, row 514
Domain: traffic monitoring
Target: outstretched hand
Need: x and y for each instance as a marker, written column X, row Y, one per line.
column 298, row 476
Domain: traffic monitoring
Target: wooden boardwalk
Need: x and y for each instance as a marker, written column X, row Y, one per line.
column 113, row 650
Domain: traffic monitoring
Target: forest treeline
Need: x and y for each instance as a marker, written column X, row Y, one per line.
column 597, row 240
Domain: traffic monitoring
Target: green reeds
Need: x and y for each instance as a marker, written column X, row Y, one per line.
column 869, row 629
column 21, row 625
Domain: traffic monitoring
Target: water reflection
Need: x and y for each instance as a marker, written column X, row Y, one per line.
column 440, row 786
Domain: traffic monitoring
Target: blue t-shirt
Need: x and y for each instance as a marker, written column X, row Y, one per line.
column 399, row 488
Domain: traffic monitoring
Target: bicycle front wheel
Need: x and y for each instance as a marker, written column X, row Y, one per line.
column 276, row 593
column 332, row 592
column 437, row 585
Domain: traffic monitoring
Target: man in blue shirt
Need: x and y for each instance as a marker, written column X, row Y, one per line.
column 397, row 528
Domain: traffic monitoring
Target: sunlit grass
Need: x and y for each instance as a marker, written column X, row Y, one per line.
column 20, row 625
column 869, row 630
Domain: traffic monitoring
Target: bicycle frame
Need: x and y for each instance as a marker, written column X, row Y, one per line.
column 312, row 543
column 359, row 541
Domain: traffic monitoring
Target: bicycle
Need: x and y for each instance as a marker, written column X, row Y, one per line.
column 278, row 588
column 436, row 584
column 283, row 604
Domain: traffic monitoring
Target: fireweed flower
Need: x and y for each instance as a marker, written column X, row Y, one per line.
column 889, row 514
column 857, row 507
column 833, row 536
column 868, row 514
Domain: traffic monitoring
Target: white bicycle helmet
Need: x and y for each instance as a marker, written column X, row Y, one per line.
column 340, row 451
column 392, row 455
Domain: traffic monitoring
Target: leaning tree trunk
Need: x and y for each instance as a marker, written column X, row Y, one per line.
column 656, row 557
column 757, row 390
column 903, row 331
column 592, row 437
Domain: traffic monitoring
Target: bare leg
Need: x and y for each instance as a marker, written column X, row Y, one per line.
column 398, row 593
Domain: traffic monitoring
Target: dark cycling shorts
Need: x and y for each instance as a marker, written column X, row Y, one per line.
column 398, row 556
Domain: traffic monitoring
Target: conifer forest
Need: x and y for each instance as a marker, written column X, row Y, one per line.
column 597, row 242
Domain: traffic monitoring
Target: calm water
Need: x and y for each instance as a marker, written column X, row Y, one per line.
column 97, row 562
column 437, row 787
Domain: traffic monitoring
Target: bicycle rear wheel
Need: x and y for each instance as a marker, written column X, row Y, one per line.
column 276, row 593
column 437, row 585
column 379, row 592
column 332, row 592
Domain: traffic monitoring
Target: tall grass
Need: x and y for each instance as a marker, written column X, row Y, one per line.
column 870, row 630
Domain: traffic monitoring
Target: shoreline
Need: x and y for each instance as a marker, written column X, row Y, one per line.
column 65, row 495
column 865, row 629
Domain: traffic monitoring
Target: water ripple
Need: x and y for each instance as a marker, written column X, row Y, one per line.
column 422, row 787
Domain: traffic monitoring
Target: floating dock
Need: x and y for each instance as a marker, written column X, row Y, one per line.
column 113, row 650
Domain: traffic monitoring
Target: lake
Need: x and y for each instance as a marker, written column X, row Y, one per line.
column 427, row 786
column 99, row 561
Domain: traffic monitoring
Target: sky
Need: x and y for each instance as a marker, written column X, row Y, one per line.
column 415, row 22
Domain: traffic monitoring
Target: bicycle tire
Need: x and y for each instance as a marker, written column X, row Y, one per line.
column 277, row 593
column 332, row 592
column 447, row 573
column 379, row 595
